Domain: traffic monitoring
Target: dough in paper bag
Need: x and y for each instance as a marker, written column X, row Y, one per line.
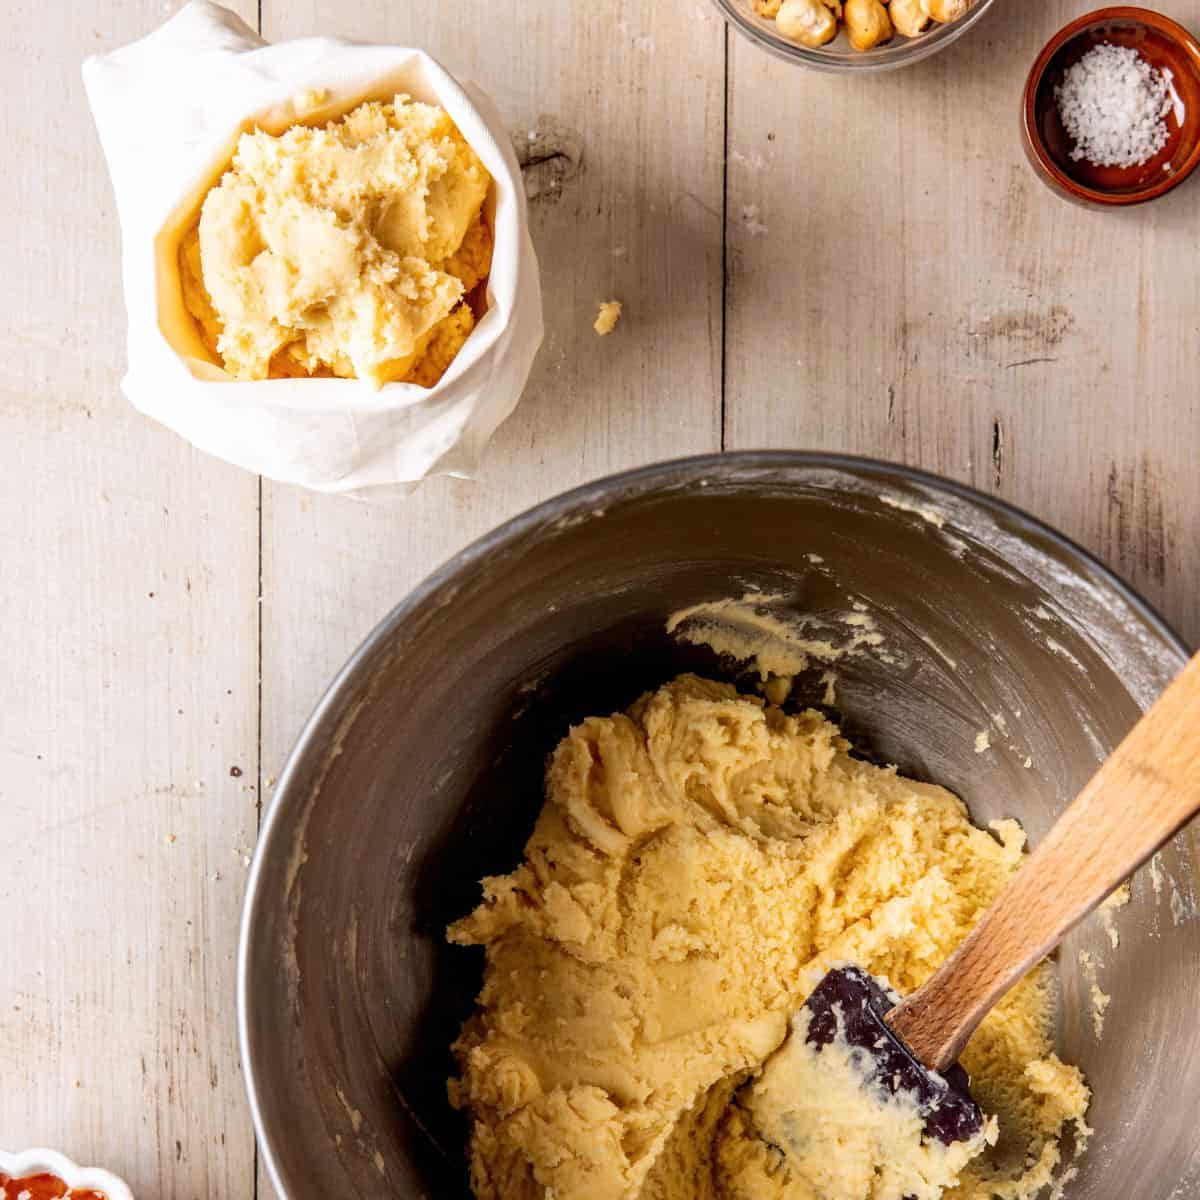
column 169, row 109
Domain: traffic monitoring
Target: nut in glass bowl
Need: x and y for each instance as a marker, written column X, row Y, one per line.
column 861, row 29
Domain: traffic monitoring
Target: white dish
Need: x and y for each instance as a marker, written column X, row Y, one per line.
column 51, row 1162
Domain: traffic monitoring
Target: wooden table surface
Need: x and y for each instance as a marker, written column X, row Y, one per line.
column 863, row 265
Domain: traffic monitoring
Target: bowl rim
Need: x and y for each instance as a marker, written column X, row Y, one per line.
column 52, row 1162
column 1048, row 169
column 890, row 57
column 290, row 788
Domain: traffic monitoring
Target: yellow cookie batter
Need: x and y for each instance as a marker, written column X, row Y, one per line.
column 777, row 1142
column 698, row 865
column 343, row 250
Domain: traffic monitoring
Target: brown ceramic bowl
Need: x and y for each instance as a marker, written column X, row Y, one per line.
column 1163, row 43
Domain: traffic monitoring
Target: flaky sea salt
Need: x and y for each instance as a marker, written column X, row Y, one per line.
column 1112, row 103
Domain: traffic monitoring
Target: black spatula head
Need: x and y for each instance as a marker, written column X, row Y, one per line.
column 852, row 1002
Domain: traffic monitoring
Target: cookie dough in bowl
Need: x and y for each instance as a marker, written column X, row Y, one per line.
column 699, row 864
column 913, row 616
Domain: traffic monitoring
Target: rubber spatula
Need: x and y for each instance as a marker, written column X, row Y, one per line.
column 1142, row 795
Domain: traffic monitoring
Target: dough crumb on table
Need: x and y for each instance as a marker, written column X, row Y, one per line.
column 348, row 249
column 607, row 318
column 699, row 864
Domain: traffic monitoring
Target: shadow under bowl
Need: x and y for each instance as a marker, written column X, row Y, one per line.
column 421, row 771
column 1164, row 44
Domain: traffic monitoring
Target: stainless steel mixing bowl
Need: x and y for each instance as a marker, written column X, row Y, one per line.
column 421, row 771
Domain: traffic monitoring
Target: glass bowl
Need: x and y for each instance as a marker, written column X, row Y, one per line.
column 839, row 55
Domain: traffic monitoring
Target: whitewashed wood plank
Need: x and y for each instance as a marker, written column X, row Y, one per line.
column 901, row 285
column 638, row 219
column 129, row 638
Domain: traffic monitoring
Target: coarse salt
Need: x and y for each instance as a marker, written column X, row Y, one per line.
column 1112, row 103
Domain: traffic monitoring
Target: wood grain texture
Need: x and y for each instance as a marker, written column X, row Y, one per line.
column 901, row 285
column 633, row 211
column 1135, row 803
column 129, row 640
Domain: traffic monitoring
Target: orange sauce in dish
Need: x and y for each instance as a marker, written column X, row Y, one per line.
column 43, row 1187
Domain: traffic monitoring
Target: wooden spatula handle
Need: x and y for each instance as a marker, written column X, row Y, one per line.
column 1136, row 802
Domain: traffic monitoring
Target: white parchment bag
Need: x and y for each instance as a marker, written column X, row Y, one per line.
column 169, row 109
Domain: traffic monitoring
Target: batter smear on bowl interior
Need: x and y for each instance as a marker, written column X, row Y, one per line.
column 699, row 863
